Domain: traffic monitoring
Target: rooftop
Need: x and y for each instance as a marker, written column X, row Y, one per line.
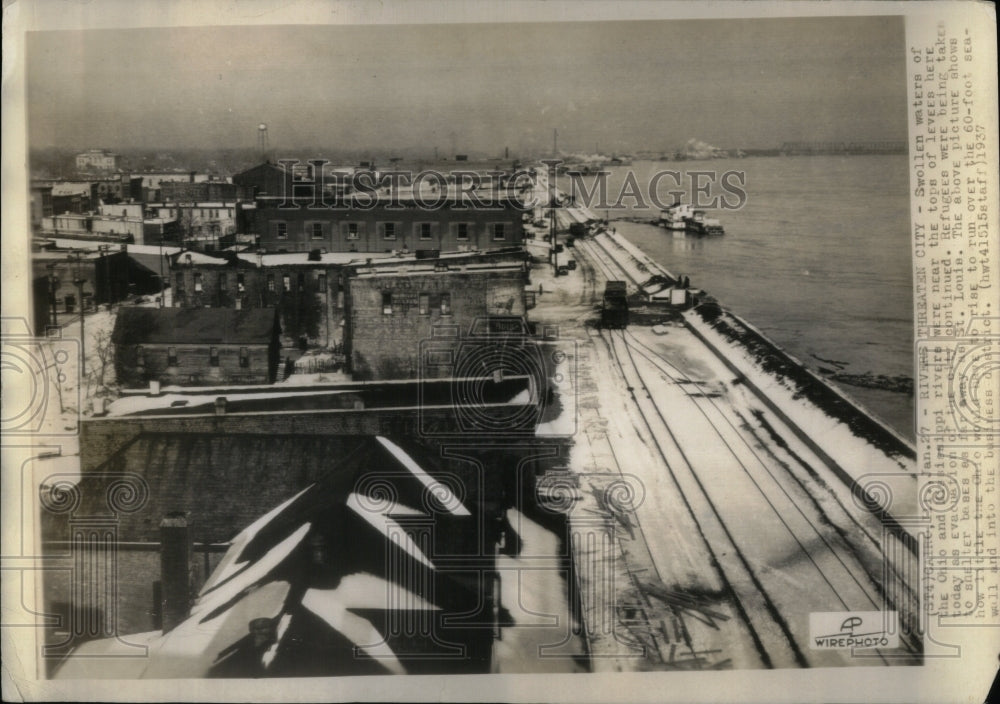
column 194, row 326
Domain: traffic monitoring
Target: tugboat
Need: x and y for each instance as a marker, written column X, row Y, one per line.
column 675, row 216
column 698, row 224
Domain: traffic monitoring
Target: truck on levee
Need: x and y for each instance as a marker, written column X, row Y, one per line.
column 614, row 309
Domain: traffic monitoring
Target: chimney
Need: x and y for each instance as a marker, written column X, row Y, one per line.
column 175, row 559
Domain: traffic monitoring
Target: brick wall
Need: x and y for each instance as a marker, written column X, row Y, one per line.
column 193, row 365
column 339, row 230
column 385, row 343
column 313, row 294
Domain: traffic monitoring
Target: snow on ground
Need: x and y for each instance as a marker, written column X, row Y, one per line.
column 533, row 591
column 724, row 480
column 861, row 460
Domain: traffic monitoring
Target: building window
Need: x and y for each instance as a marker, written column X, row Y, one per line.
column 245, row 357
column 498, row 231
column 270, row 282
column 463, row 231
column 445, row 304
column 282, row 230
column 386, row 303
column 140, row 356
column 424, row 304
column 180, row 285
column 240, row 283
column 222, row 282
column 197, row 283
column 425, row 230
column 317, row 230
column 353, row 231
column 321, row 283
column 171, row 356
column 301, row 282
column 286, row 282
column 389, row 230
column 213, row 356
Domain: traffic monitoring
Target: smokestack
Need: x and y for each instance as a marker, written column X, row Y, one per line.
column 175, row 559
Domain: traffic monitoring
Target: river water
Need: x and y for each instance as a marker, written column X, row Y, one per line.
column 818, row 258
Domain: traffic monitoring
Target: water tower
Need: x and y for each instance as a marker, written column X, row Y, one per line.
column 263, row 146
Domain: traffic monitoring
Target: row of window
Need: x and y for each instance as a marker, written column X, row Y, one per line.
column 212, row 213
column 213, row 357
column 390, row 230
column 423, row 303
column 286, row 283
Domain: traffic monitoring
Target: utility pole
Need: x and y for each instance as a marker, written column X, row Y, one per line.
column 552, row 225
column 79, row 281
column 53, row 284
column 555, row 142
column 161, row 272
column 103, row 249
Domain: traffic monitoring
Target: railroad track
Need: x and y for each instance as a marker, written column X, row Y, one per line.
column 821, row 565
column 607, row 264
column 836, row 566
column 854, row 545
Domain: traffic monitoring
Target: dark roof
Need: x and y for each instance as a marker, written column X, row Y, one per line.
column 335, row 569
column 194, row 326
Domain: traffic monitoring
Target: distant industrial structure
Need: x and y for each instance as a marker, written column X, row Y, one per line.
column 809, row 148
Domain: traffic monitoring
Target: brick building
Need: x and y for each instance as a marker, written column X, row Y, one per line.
column 97, row 160
column 196, row 347
column 308, row 289
column 392, row 311
column 41, row 203
column 202, row 191
column 107, row 276
column 72, row 197
column 214, row 221
column 385, row 226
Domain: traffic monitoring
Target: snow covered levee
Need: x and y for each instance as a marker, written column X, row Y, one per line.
column 750, row 502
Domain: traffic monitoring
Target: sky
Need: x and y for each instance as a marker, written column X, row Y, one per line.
column 617, row 86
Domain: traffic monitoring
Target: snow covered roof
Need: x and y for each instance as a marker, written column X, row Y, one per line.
column 341, row 578
column 288, row 258
column 70, row 189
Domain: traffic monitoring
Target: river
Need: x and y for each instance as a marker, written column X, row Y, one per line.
column 818, row 258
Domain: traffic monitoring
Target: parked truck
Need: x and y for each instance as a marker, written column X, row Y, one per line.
column 614, row 310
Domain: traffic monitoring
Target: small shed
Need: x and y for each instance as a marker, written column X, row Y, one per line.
column 196, row 346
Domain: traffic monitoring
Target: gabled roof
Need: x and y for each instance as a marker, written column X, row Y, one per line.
column 136, row 326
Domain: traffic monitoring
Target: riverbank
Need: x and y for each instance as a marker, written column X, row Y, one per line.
column 727, row 496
